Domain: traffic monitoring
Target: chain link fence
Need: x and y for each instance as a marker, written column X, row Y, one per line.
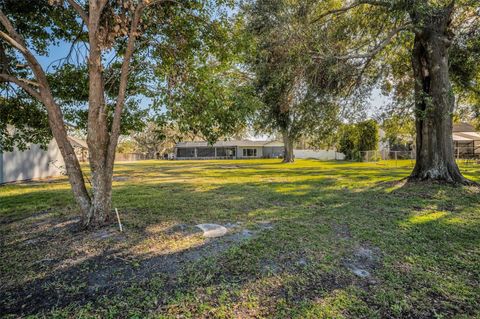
column 384, row 155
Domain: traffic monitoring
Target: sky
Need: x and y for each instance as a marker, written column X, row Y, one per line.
column 60, row 51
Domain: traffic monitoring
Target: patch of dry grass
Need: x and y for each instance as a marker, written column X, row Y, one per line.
column 294, row 228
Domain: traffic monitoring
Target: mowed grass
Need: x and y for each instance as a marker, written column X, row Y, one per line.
column 297, row 230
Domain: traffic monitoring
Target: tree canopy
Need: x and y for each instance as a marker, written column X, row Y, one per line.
column 118, row 51
column 302, row 95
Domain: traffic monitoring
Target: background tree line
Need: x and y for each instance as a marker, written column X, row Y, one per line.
column 218, row 69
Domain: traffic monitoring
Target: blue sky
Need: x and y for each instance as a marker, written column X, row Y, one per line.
column 60, row 51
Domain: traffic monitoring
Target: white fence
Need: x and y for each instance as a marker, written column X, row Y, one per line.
column 321, row 155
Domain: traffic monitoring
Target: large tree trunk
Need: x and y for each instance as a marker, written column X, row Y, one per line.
column 98, row 132
column 288, row 156
column 434, row 102
column 72, row 165
column 101, row 144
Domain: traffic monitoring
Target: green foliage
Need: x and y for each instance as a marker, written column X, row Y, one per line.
column 367, row 135
column 465, row 75
column 214, row 102
column 379, row 52
column 22, row 121
column 174, row 37
column 299, row 93
column 156, row 138
column 42, row 25
column 356, row 138
column 204, row 90
column 348, row 137
column 126, row 146
column 399, row 130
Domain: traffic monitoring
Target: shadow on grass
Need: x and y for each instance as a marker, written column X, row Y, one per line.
column 316, row 224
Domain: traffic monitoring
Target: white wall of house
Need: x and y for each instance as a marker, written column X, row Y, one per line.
column 31, row 164
column 321, row 154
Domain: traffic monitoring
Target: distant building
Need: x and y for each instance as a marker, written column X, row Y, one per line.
column 466, row 141
column 80, row 147
column 35, row 162
column 229, row 150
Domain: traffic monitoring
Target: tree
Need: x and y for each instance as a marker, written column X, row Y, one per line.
column 22, row 121
column 299, row 95
column 357, row 138
column 347, row 142
column 208, row 94
column 427, row 29
column 157, row 138
column 215, row 101
column 465, row 75
column 105, row 26
column 399, row 131
column 367, row 135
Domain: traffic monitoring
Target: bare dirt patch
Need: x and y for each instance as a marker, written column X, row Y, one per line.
column 107, row 270
column 363, row 261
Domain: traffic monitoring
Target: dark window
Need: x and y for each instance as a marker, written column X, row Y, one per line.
column 205, row 152
column 249, row 152
column 185, row 152
column 221, row 152
column 225, row 152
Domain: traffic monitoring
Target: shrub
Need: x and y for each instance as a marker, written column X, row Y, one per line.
column 356, row 138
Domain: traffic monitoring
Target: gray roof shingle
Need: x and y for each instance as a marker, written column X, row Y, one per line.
column 244, row 143
column 463, row 127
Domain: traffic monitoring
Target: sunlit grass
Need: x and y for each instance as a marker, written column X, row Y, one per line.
column 420, row 219
column 427, row 237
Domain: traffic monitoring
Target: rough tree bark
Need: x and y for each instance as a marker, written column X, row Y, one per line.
column 434, row 99
column 288, row 156
column 97, row 134
column 55, row 116
column 102, row 140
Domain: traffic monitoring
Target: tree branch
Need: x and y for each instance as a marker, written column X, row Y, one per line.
column 11, row 31
column 350, row 7
column 16, row 40
column 55, row 116
column 23, row 83
column 372, row 52
column 79, row 10
column 380, row 46
column 14, row 43
column 124, row 80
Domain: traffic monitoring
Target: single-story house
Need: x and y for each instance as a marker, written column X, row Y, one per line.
column 80, row 147
column 466, row 141
column 228, row 149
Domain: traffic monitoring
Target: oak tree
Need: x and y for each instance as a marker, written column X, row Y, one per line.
column 425, row 31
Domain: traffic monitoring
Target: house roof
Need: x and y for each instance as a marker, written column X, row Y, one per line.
column 466, row 136
column 76, row 142
column 463, row 127
column 242, row 143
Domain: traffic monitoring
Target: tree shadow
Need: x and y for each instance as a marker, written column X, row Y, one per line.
column 316, row 224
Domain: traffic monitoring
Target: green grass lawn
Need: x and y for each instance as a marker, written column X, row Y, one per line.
column 296, row 233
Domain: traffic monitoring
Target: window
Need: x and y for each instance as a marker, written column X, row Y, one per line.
column 206, row 152
column 249, row 152
column 224, row 152
column 185, row 152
